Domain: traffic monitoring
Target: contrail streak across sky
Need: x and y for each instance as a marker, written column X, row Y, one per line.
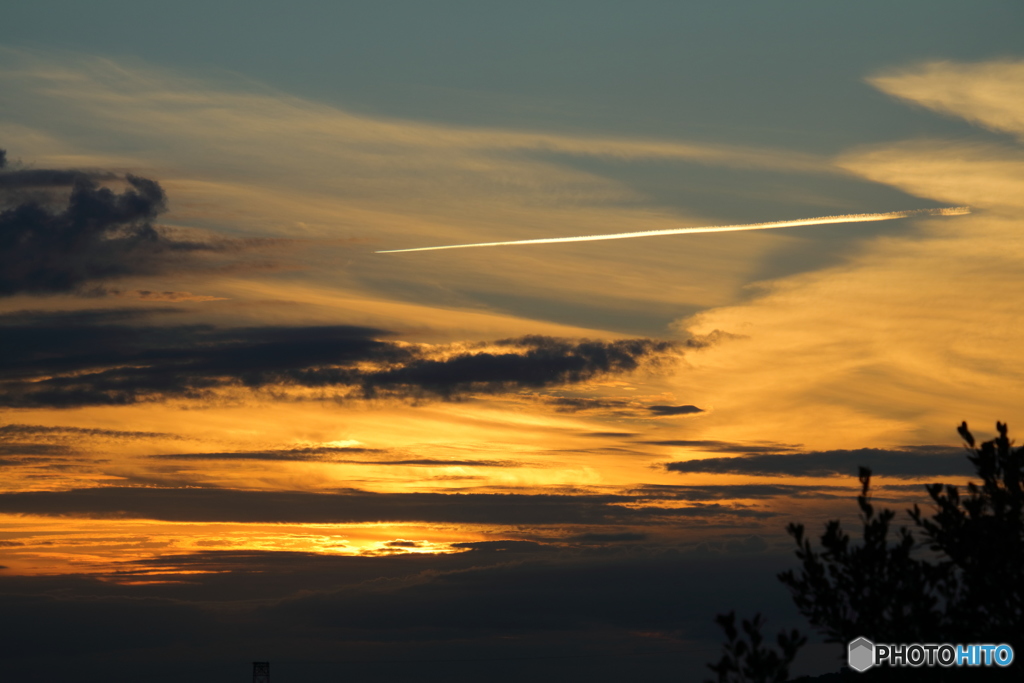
column 821, row 220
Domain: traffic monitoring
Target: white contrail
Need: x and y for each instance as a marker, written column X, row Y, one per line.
column 822, row 220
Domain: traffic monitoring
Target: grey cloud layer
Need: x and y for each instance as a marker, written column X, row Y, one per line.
column 668, row 411
column 111, row 357
column 918, row 461
column 741, row 491
column 224, row 505
column 77, row 433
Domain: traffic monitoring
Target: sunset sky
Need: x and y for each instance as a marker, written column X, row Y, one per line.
column 232, row 430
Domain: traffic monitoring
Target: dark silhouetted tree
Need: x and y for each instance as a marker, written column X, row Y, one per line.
column 749, row 660
column 980, row 542
column 962, row 582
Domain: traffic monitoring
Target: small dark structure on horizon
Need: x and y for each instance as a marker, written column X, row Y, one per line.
column 261, row 672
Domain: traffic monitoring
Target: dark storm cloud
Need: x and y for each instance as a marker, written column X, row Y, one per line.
column 98, row 235
column 112, row 357
column 546, row 361
column 223, row 505
column 111, row 362
column 666, row 411
column 919, row 461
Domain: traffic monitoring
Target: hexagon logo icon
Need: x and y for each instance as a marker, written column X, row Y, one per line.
column 861, row 654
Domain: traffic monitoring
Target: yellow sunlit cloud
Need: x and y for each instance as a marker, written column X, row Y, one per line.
column 911, row 335
column 894, row 344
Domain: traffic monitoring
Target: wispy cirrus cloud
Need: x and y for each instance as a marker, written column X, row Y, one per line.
column 141, row 96
column 714, row 446
column 914, row 332
column 987, row 93
column 346, row 455
column 327, row 172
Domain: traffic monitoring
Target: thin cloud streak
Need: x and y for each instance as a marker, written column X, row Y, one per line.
column 821, row 220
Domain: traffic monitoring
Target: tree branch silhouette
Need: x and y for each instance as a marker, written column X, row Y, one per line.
column 961, row 583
